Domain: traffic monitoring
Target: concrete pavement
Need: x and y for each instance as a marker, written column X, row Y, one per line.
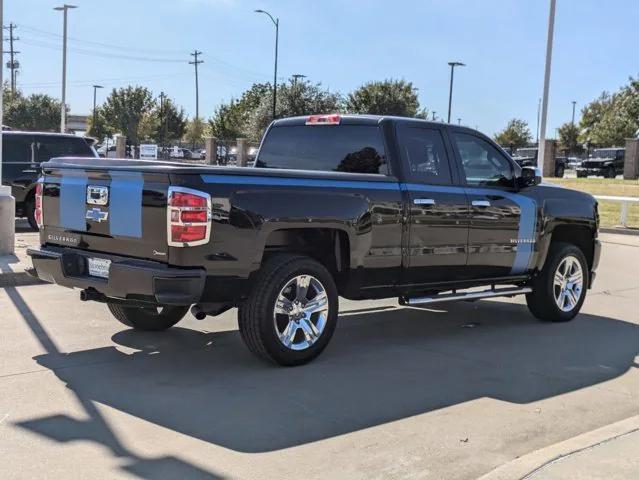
column 399, row 393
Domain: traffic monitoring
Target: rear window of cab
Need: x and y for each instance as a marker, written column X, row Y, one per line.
column 332, row 148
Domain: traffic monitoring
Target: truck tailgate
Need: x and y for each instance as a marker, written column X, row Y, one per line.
column 106, row 210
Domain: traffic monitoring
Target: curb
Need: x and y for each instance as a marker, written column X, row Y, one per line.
column 18, row 279
column 529, row 464
column 619, row 231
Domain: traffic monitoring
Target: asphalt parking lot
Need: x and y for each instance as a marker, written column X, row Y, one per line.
column 451, row 392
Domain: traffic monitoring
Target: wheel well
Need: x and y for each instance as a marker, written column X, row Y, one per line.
column 578, row 235
column 328, row 246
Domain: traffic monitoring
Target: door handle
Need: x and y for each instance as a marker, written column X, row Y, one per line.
column 424, row 201
column 481, row 203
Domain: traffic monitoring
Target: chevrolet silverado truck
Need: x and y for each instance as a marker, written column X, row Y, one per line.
column 361, row 207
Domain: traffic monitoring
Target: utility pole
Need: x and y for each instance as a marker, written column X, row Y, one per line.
column 297, row 76
column 195, row 63
column 276, row 22
column 544, row 103
column 434, row 112
column 13, row 64
column 538, row 114
column 459, row 121
column 450, row 91
column 63, row 111
column 573, row 112
column 95, row 89
column 162, row 119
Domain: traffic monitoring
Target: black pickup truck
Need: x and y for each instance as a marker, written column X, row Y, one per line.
column 361, row 207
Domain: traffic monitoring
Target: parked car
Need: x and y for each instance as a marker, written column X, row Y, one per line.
column 368, row 207
column 527, row 157
column 179, row 152
column 22, row 154
column 573, row 163
column 603, row 162
column 106, row 153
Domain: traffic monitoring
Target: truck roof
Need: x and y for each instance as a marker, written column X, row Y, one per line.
column 353, row 119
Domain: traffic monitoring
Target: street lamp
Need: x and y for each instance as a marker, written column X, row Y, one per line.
column 541, row 156
column 450, row 91
column 63, row 113
column 276, row 22
column 95, row 89
column 297, row 76
column 574, row 102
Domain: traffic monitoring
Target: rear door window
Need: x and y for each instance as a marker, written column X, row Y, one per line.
column 51, row 146
column 16, row 148
column 424, row 154
column 340, row 148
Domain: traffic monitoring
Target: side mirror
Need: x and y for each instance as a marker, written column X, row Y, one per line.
column 529, row 177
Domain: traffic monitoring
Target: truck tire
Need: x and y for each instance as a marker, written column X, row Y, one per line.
column 291, row 312
column 559, row 171
column 581, row 174
column 560, row 288
column 610, row 172
column 147, row 318
column 29, row 211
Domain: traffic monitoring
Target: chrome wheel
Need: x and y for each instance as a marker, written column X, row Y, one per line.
column 568, row 283
column 300, row 312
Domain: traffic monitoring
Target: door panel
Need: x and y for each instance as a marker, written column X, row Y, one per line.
column 437, row 211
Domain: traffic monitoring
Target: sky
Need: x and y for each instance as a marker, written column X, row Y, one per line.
column 341, row 44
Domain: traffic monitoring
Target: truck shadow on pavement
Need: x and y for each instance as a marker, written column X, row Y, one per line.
column 381, row 366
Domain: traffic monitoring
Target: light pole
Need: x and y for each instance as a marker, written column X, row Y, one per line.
column 538, row 114
column 544, row 103
column 63, row 113
column 450, row 91
column 276, row 22
column 7, row 202
column 574, row 102
column 297, row 76
column 95, row 89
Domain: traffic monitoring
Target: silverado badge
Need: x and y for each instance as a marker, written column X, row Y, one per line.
column 97, row 215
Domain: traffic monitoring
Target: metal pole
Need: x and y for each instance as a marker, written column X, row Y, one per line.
column 544, row 103
column 63, row 112
column 1, row 97
column 573, row 112
column 538, row 116
column 13, row 78
column 434, row 112
column 450, row 90
column 195, row 63
column 277, row 36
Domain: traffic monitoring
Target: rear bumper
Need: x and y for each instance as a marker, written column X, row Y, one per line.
column 129, row 279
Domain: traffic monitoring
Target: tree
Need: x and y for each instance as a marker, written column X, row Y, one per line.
column 231, row 120
column 390, row 97
column 35, row 112
column 168, row 122
column 99, row 129
column 515, row 135
column 125, row 108
column 293, row 99
column 569, row 138
column 195, row 131
column 610, row 119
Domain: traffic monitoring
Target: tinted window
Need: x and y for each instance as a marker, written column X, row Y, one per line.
column 16, row 148
column 51, row 146
column 483, row 164
column 343, row 148
column 424, row 153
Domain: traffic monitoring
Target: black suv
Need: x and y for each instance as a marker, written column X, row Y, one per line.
column 603, row 162
column 527, row 157
column 22, row 153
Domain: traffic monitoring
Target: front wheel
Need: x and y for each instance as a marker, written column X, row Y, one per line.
column 559, row 290
column 147, row 318
column 610, row 172
column 560, row 171
column 291, row 313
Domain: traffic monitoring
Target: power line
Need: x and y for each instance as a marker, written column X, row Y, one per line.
column 195, row 63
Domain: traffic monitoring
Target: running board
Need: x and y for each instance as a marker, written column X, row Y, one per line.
column 450, row 297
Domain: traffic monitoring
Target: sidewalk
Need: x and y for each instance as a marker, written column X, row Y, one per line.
column 12, row 267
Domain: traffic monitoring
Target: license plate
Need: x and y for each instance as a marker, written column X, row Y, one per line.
column 99, row 267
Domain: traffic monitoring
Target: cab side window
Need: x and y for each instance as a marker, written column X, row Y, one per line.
column 51, row 146
column 482, row 163
column 16, row 148
column 424, row 154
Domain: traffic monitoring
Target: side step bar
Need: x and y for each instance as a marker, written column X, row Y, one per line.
column 451, row 297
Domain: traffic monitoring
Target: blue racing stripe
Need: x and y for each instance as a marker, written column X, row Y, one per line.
column 297, row 182
column 125, row 204
column 73, row 191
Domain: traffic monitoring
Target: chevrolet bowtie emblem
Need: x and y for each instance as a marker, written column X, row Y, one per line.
column 97, row 215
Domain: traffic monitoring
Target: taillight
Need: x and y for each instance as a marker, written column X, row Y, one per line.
column 188, row 217
column 39, row 193
column 333, row 119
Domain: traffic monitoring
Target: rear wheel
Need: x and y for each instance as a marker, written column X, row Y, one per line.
column 559, row 290
column 610, row 172
column 147, row 318
column 581, row 174
column 559, row 172
column 291, row 313
column 29, row 210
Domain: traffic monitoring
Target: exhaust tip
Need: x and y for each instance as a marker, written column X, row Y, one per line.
column 198, row 313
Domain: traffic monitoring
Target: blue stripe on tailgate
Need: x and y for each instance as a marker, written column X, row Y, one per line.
column 125, row 204
column 73, row 191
